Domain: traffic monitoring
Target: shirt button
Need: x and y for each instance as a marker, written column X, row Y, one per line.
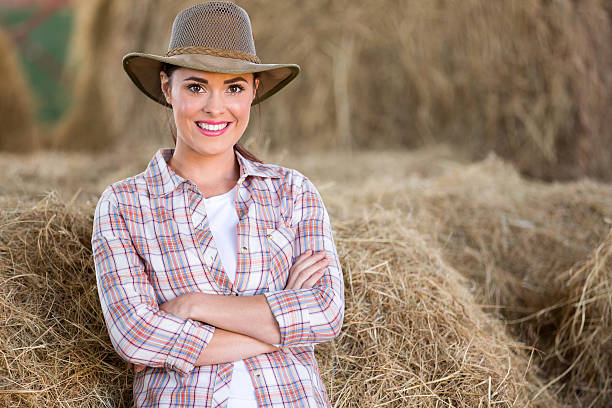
column 257, row 373
column 243, row 250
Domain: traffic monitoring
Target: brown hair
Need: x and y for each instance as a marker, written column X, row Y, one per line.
column 169, row 69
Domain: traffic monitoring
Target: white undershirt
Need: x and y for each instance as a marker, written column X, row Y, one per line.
column 222, row 219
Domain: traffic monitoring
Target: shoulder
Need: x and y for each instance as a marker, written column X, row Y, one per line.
column 298, row 188
column 273, row 175
column 290, row 180
column 124, row 192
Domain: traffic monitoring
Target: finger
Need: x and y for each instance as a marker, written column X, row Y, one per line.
column 308, row 253
column 306, row 260
column 307, row 272
column 298, row 268
column 314, row 278
column 309, row 260
column 138, row 368
column 304, row 255
column 294, row 274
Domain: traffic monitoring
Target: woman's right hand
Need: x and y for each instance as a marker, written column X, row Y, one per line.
column 307, row 270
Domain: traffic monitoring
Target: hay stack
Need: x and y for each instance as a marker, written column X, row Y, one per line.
column 413, row 335
column 17, row 132
column 55, row 348
column 529, row 247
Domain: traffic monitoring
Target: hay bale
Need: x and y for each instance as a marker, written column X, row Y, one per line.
column 413, row 334
column 54, row 344
column 529, row 248
column 522, row 245
column 17, row 131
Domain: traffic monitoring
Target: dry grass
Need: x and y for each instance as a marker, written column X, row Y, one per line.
column 413, row 335
column 426, row 243
column 529, row 248
column 54, row 346
column 583, row 338
column 17, row 130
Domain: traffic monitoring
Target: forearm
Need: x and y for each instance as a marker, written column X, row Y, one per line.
column 248, row 315
column 226, row 346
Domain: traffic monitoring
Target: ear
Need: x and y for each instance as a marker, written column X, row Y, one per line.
column 256, row 87
column 165, row 86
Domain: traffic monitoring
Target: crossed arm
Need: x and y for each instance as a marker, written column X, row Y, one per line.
column 244, row 325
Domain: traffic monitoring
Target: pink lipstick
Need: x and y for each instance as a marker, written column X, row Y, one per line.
column 212, row 128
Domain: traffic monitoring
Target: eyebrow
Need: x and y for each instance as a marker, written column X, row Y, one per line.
column 204, row 81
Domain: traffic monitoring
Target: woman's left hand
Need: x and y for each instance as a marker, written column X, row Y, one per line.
column 181, row 306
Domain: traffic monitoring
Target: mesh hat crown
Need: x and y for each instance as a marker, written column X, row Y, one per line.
column 215, row 36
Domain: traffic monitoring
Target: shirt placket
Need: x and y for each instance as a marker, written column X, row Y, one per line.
column 204, row 241
column 242, row 202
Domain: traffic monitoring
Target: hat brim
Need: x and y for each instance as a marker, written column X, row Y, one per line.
column 143, row 70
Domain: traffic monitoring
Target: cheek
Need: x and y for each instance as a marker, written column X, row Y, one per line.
column 242, row 110
column 184, row 110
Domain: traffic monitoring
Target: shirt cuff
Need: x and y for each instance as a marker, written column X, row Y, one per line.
column 188, row 346
column 291, row 314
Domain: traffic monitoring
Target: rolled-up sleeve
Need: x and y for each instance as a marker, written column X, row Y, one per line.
column 140, row 332
column 307, row 316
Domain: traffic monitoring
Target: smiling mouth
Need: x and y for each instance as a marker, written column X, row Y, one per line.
column 209, row 127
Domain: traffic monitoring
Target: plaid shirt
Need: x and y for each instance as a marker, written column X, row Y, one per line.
column 152, row 242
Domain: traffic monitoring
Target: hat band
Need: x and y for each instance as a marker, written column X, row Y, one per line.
column 217, row 52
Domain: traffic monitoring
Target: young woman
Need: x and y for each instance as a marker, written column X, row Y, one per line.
column 217, row 274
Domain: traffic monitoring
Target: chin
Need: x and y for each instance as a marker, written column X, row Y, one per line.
column 213, row 150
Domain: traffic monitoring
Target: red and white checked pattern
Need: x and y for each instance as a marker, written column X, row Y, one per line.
column 152, row 242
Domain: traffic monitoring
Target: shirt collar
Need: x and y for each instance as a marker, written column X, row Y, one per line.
column 251, row 168
column 162, row 180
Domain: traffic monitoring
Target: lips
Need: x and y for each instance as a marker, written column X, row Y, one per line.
column 211, row 128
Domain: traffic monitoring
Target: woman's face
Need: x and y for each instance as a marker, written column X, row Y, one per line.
column 211, row 110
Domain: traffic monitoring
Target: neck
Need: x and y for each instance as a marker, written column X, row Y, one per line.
column 214, row 174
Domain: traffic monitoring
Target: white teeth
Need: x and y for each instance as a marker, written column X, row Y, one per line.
column 208, row 127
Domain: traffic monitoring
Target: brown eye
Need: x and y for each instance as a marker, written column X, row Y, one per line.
column 195, row 88
column 234, row 89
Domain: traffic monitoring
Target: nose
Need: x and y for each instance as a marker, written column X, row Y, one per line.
column 214, row 103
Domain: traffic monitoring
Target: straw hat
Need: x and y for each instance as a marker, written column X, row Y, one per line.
column 214, row 36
